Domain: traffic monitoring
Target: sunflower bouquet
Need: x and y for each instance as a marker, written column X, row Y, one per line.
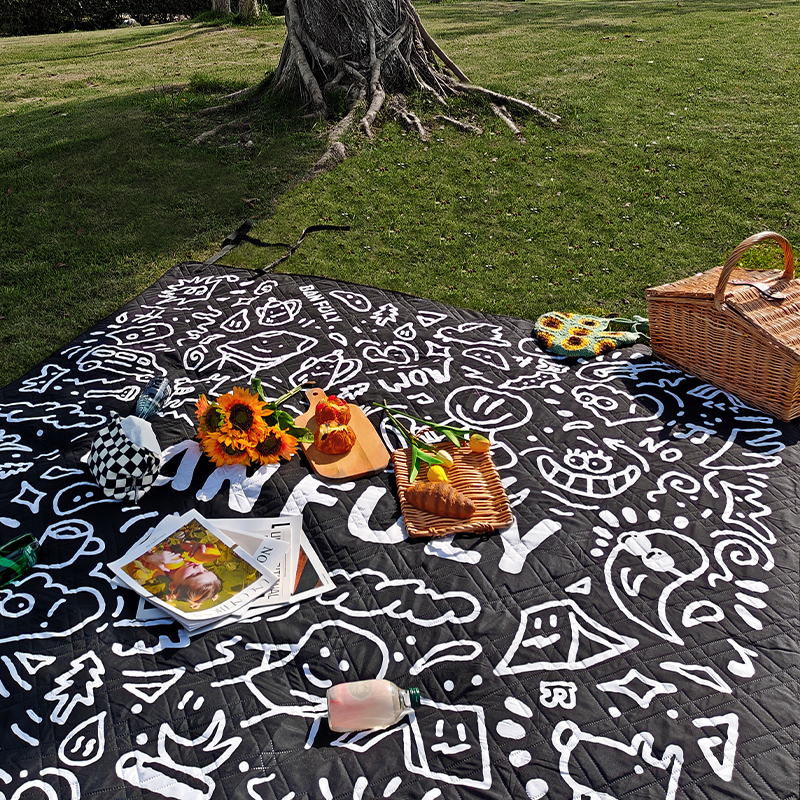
column 243, row 427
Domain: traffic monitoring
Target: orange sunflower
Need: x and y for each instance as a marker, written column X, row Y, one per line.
column 275, row 444
column 244, row 414
column 574, row 343
column 209, row 416
column 223, row 449
column 605, row 346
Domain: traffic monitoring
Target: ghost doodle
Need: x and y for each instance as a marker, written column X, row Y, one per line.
column 644, row 568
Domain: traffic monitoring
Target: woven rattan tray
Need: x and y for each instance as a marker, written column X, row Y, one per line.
column 476, row 476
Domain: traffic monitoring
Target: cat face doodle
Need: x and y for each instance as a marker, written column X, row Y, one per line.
column 589, row 472
column 634, row 770
column 644, row 568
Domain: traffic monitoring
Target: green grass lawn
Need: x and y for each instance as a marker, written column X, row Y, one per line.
column 680, row 136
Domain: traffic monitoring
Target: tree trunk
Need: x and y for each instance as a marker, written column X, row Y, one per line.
column 248, row 9
column 350, row 54
column 222, row 6
column 361, row 49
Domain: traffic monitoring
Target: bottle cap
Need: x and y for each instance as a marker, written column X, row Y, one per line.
column 17, row 557
column 413, row 696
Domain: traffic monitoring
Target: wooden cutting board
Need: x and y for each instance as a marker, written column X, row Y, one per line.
column 368, row 456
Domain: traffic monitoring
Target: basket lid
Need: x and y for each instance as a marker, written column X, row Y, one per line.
column 703, row 285
column 777, row 318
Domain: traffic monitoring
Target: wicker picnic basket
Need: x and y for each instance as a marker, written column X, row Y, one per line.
column 737, row 329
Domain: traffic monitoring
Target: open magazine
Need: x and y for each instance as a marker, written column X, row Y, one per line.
column 276, row 545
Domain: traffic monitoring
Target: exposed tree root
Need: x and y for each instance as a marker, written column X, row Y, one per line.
column 235, row 124
column 502, row 113
column 464, row 127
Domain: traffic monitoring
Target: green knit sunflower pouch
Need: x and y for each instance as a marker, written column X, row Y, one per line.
column 583, row 336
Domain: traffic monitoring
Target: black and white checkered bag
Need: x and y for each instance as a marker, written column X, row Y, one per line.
column 123, row 469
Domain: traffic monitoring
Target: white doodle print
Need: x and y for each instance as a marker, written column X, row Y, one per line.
column 139, row 366
column 260, row 352
column 155, row 685
column 141, row 334
column 449, row 607
column 353, row 300
column 473, row 333
column 446, row 652
column 79, row 533
column 625, row 686
column 607, row 402
column 698, row 673
column 442, row 741
column 558, row 634
column 49, row 788
column 320, row 661
column 180, row 780
column 190, row 453
column 445, row 547
column 76, row 686
column 243, row 489
column 329, row 372
column 487, row 409
column 730, row 722
column 591, row 473
column 358, row 521
column 652, row 557
column 85, row 744
column 634, row 762
column 278, row 313
column 516, row 548
column 701, row 611
column 35, row 599
column 563, row 694
column 744, row 668
column 61, row 416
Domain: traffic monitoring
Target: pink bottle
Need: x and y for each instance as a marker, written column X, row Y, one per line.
column 368, row 705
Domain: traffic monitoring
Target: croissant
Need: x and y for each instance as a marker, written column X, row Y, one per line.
column 441, row 499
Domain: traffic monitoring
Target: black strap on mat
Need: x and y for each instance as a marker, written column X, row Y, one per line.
column 241, row 234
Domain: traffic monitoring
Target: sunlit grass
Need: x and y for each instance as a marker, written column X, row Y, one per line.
column 679, row 138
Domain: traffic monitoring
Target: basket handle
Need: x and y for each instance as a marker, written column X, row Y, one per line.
column 740, row 250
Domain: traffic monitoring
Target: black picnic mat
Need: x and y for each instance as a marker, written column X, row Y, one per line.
column 633, row 633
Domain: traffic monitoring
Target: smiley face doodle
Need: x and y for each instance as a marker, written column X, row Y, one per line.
column 588, row 473
column 488, row 409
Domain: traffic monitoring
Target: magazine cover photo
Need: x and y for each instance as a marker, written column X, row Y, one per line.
column 192, row 569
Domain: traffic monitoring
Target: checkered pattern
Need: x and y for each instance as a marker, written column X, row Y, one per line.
column 123, row 470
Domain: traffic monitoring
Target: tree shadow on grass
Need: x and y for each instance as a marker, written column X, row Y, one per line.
column 98, row 199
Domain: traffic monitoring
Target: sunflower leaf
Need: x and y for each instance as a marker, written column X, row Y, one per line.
column 301, row 434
